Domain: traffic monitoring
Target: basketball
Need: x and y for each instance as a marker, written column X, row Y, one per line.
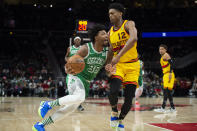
column 77, row 63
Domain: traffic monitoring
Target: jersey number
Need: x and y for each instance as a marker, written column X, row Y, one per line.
column 93, row 69
column 121, row 35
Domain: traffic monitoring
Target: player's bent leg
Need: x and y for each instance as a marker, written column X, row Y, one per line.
column 115, row 85
column 129, row 95
column 76, row 93
column 63, row 112
column 113, row 99
column 58, row 115
column 77, row 97
column 71, row 101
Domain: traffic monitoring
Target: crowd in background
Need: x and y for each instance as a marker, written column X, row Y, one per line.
column 24, row 68
column 41, row 84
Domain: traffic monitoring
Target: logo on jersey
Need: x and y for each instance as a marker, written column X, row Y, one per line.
column 95, row 60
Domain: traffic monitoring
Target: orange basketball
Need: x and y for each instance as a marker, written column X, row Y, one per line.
column 77, row 63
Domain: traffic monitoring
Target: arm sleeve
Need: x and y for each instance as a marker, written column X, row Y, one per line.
column 171, row 62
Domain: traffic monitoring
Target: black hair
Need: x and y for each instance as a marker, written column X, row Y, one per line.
column 94, row 31
column 117, row 6
column 164, row 46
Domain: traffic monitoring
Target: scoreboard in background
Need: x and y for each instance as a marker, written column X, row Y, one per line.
column 82, row 29
column 82, row 26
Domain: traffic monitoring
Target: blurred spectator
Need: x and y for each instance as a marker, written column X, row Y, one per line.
column 61, row 88
column 193, row 90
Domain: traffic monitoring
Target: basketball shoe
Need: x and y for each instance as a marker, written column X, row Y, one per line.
column 114, row 120
column 38, row 127
column 120, row 126
column 44, row 108
column 171, row 110
column 80, row 108
column 161, row 110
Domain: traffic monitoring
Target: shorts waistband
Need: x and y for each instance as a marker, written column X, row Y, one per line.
column 168, row 72
column 132, row 60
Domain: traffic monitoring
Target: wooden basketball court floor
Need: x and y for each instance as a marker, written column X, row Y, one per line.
column 20, row 113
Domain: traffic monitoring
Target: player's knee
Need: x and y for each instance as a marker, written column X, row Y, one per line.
column 129, row 94
column 115, row 85
column 81, row 98
column 130, row 90
column 128, row 101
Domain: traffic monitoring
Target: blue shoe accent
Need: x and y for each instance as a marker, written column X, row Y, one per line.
column 113, row 122
column 114, row 118
column 44, row 108
column 38, row 127
column 120, row 125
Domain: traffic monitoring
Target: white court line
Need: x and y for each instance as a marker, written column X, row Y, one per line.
column 157, row 127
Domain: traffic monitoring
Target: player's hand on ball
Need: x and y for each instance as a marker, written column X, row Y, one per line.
column 75, row 64
column 69, row 70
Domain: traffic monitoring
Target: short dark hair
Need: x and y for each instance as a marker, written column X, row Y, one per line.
column 117, row 6
column 94, row 31
column 164, row 46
